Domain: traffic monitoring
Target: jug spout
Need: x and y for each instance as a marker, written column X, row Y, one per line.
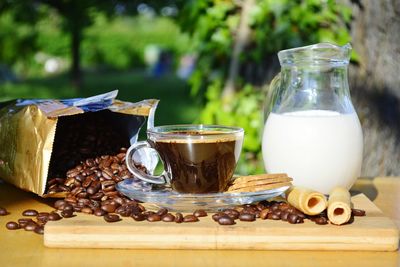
column 317, row 54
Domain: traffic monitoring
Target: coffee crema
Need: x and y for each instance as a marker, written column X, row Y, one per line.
column 198, row 165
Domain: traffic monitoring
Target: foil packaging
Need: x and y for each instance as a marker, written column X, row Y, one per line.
column 41, row 139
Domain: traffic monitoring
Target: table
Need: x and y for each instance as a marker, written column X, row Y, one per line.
column 21, row 248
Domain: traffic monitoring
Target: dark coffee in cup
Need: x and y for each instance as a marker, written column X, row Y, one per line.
column 197, row 158
column 196, row 165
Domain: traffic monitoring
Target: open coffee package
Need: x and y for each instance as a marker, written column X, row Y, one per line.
column 42, row 139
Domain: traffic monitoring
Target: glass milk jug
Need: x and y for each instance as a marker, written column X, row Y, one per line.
column 312, row 131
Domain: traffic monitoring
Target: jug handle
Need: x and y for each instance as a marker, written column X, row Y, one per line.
column 273, row 91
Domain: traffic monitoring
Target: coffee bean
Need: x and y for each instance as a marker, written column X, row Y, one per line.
column 59, row 204
column 218, row 215
column 284, row 215
column 31, row 226
column 77, row 208
column 300, row 214
column 111, row 218
column 70, row 199
column 264, row 213
column 357, row 212
column 91, row 190
column 82, row 195
column 3, row 211
column 200, row 213
column 168, row 218
column 292, row 218
column 261, row 206
column 273, row 216
column 42, row 218
column 12, row 226
column 234, row 214
column 321, row 220
column 153, row 217
column 190, row 218
column 110, row 208
column 86, row 183
column 67, row 213
column 53, row 216
column 67, row 207
column 277, row 212
column 82, row 202
column 274, row 207
column 30, row 213
column 226, row 220
column 97, row 196
column 283, row 206
column 39, row 230
column 119, row 200
column 124, row 211
column 249, row 210
column 78, row 188
column 87, row 210
column 138, row 217
column 24, row 221
column 247, row 217
column 99, row 212
column 178, row 217
column 162, row 211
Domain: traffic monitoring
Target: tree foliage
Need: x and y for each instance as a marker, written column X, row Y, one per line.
column 274, row 25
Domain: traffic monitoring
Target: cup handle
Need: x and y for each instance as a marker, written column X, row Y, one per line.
column 162, row 179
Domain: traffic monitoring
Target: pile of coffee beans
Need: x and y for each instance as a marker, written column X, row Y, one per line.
column 90, row 188
column 84, row 136
column 93, row 179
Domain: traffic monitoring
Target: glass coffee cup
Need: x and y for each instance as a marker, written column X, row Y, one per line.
column 197, row 158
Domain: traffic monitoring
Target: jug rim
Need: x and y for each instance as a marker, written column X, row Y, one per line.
column 316, row 54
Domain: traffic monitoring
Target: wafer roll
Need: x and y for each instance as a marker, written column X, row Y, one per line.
column 339, row 206
column 308, row 201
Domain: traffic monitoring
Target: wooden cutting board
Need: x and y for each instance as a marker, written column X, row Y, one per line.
column 372, row 232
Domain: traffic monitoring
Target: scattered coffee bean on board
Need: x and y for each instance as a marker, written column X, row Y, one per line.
column 111, row 218
column 190, row 218
column 39, row 230
column 357, row 212
column 138, row 217
column 200, row 213
column 162, row 211
column 225, row 220
column 247, row 217
column 154, row 217
column 53, row 216
column 178, row 217
column 168, row 218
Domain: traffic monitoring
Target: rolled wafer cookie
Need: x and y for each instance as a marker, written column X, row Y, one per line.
column 261, row 187
column 259, row 182
column 339, row 206
column 308, row 201
column 258, row 177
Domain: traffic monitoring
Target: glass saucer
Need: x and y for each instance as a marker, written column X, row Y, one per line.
column 162, row 196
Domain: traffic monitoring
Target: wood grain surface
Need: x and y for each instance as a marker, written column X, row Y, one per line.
column 373, row 232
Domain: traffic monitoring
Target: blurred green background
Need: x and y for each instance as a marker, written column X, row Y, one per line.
column 208, row 61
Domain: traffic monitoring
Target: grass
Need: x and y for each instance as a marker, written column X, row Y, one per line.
column 175, row 107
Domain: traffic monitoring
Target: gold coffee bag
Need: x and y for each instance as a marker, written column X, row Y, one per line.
column 41, row 139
